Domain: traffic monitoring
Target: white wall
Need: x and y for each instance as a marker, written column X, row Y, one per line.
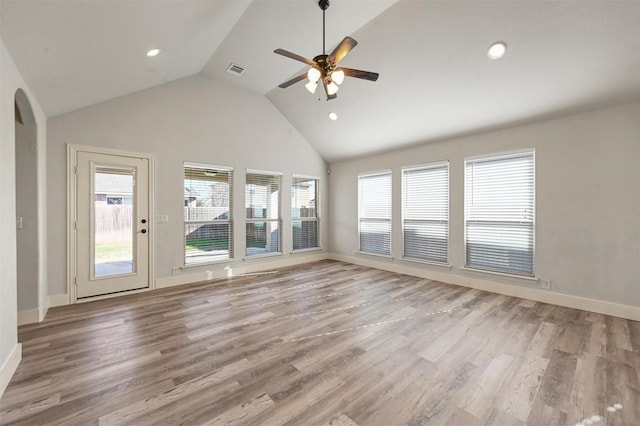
column 10, row 81
column 587, row 202
column 194, row 119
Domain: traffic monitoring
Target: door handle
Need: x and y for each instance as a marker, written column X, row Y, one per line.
column 144, row 231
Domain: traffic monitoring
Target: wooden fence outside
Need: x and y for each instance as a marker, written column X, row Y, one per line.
column 113, row 223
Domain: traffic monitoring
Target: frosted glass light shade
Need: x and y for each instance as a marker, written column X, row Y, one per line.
column 313, row 74
column 332, row 88
column 311, row 86
column 337, row 76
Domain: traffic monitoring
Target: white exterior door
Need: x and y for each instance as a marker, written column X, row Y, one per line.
column 112, row 223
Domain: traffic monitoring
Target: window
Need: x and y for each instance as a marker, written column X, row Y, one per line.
column 304, row 213
column 208, row 230
column 374, row 213
column 499, row 213
column 425, row 213
column 262, row 204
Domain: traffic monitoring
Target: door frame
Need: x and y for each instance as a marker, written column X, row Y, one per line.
column 72, row 151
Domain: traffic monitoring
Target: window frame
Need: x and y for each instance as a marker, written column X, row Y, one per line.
column 315, row 218
column 231, row 247
column 426, row 166
column 278, row 220
column 494, row 157
column 365, row 175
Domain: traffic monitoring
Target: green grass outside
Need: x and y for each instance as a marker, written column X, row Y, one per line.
column 113, row 252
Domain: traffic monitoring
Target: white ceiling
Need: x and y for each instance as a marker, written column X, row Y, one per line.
column 435, row 78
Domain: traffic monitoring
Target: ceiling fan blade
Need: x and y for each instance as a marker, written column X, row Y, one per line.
column 294, row 80
column 326, row 90
column 365, row 75
column 294, row 56
column 341, row 50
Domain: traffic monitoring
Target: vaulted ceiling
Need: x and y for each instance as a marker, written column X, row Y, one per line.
column 435, row 78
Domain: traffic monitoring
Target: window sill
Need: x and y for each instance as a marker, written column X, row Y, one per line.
column 426, row 262
column 263, row 255
column 213, row 262
column 526, row 278
column 385, row 256
column 305, row 250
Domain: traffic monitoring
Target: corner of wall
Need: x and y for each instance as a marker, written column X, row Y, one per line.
column 535, row 294
column 9, row 367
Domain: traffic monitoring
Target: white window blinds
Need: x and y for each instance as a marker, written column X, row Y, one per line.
column 263, row 221
column 374, row 213
column 499, row 213
column 304, row 213
column 208, row 230
column 425, row 212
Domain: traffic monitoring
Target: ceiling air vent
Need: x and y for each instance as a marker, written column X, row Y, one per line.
column 235, row 69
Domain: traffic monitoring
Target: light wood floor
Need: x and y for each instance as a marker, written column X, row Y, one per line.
column 325, row 343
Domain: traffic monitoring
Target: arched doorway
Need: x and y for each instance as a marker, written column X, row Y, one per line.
column 27, row 226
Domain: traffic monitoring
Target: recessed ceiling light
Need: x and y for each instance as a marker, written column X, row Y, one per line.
column 153, row 52
column 497, row 50
column 333, row 116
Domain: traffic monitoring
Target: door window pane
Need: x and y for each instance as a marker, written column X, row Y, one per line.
column 113, row 221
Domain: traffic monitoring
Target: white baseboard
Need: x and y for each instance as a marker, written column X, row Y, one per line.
column 522, row 291
column 31, row 316
column 9, row 367
column 28, row 316
column 247, row 267
column 42, row 312
column 58, row 300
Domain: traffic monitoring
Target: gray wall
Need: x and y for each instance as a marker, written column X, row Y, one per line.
column 27, row 209
column 587, row 200
column 194, row 119
column 11, row 82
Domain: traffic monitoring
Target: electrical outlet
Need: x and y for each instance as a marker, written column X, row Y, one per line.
column 162, row 218
column 176, row 270
column 545, row 284
column 19, row 222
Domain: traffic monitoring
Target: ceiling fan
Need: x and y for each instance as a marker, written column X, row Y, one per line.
column 324, row 67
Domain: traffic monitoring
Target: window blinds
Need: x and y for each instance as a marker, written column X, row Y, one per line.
column 304, row 213
column 374, row 213
column 425, row 212
column 263, row 221
column 208, row 230
column 499, row 213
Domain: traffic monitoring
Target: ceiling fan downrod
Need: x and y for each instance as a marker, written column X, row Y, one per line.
column 324, row 5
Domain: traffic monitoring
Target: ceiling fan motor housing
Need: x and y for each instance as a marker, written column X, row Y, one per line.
column 324, row 66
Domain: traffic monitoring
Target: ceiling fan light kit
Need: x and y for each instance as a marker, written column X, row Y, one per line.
column 324, row 67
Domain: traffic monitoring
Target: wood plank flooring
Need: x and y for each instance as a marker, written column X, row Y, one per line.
column 325, row 343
